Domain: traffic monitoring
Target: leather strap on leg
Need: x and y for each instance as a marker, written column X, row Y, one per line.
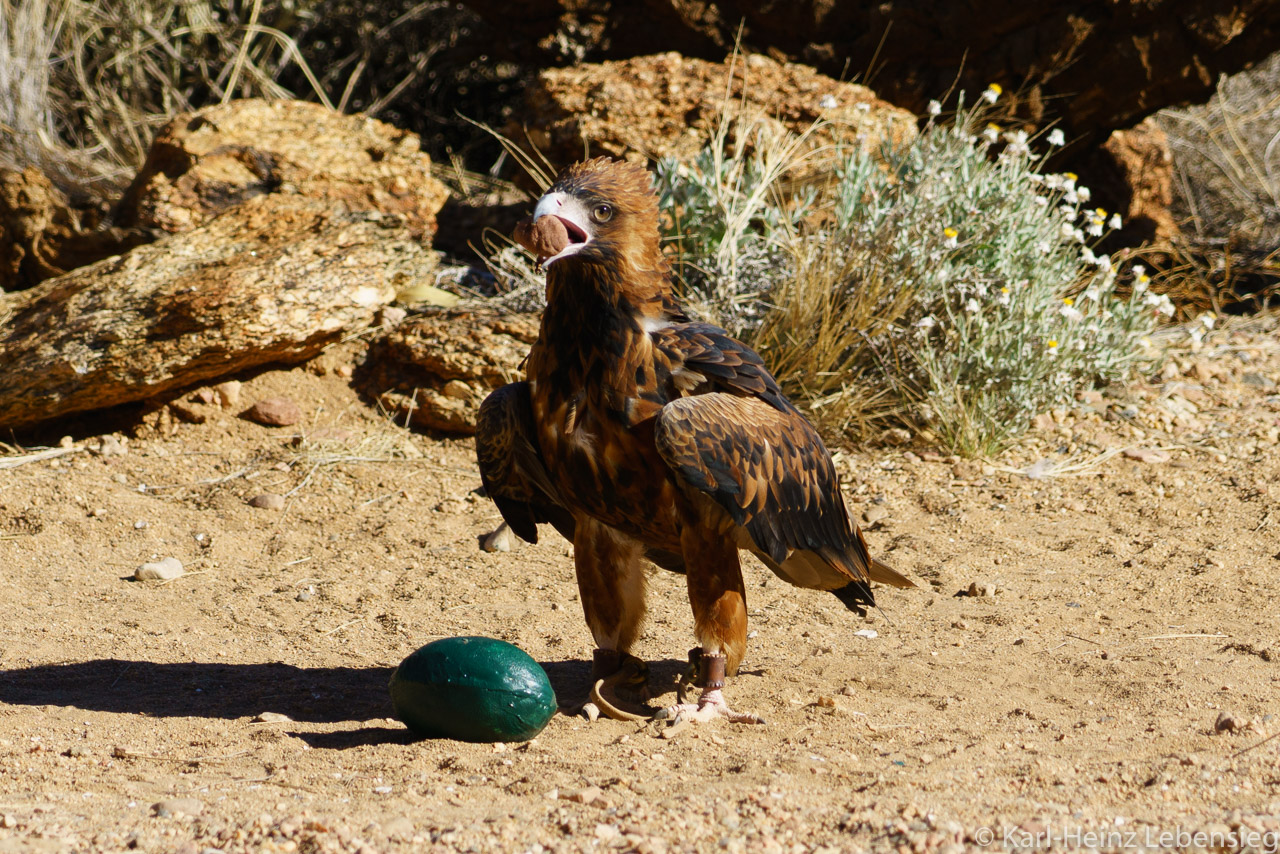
column 711, row 671
column 605, row 662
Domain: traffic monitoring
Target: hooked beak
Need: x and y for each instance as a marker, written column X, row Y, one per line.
column 572, row 214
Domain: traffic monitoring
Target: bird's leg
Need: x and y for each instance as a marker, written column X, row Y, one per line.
column 610, row 573
column 718, row 597
column 710, row 704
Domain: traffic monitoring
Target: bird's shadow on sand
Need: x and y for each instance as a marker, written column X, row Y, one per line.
column 231, row 691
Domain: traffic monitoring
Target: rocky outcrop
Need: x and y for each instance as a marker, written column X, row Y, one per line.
column 274, row 280
column 203, row 163
column 435, row 369
column 668, row 105
column 42, row 235
column 1095, row 66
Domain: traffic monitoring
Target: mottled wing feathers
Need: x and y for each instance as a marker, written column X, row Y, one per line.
column 768, row 469
column 700, row 352
column 511, row 466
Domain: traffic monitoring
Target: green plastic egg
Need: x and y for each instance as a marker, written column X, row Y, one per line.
column 472, row 689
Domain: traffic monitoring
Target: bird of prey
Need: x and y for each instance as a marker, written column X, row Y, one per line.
column 643, row 435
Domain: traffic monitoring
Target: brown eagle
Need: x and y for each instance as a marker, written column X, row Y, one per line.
column 643, row 435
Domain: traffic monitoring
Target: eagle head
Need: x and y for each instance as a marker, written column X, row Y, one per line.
column 601, row 210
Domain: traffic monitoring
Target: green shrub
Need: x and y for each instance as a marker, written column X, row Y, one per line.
column 951, row 274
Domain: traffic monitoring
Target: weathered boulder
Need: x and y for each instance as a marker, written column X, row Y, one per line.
column 273, row 280
column 437, row 368
column 669, row 105
column 205, row 162
column 1096, row 66
column 42, row 235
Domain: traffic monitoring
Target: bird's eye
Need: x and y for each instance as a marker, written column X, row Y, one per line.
column 602, row 213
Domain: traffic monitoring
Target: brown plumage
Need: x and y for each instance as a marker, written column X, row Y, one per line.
column 640, row 434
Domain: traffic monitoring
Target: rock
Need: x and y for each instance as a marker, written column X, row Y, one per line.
column 267, row 501
column 272, row 718
column 110, row 446
column 228, row 393
column 438, row 367
column 583, row 796
column 670, row 105
column 930, row 47
column 175, row 807
column 42, row 235
column 498, row 540
column 274, row 412
column 873, row 514
column 202, row 163
column 1043, row 422
column 1147, row 455
column 162, row 570
column 274, row 280
column 982, row 589
column 1227, row 722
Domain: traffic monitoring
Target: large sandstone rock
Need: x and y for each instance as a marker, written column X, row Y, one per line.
column 202, row 163
column 436, row 368
column 42, row 235
column 1096, row 66
column 655, row 106
column 274, row 279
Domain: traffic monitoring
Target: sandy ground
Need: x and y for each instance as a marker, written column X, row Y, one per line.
column 1133, row 616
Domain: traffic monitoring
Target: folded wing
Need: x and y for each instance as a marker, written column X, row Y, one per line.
column 766, row 466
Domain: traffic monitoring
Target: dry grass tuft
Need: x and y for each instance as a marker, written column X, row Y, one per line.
column 1227, row 174
column 85, row 83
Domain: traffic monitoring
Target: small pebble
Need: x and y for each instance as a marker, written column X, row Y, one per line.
column 161, row 570
column 498, row 540
column 272, row 718
column 274, row 412
column 1227, row 722
column 874, row 514
column 983, row 588
column 178, row 806
column 267, row 501
column 583, row 796
column 110, row 446
column 228, row 393
column 869, row 634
